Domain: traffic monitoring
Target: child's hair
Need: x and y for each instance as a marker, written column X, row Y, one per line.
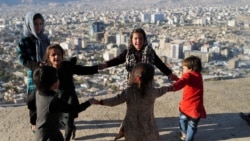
column 49, row 48
column 193, row 63
column 44, row 77
column 141, row 31
column 141, row 75
column 38, row 16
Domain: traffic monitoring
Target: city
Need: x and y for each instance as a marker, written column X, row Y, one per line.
column 219, row 35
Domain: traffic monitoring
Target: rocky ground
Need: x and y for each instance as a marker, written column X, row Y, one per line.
column 224, row 99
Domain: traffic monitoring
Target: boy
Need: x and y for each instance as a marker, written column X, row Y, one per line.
column 191, row 106
column 49, row 106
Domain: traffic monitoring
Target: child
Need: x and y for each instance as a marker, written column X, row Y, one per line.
column 140, row 95
column 138, row 51
column 49, row 106
column 66, row 70
column 191, row 106
column 31, row 48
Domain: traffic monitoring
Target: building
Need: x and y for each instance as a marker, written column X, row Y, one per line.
column 231, row 23
column 204, row 56
column 145, row 17
column 157, row 18
column 176, row 49
column 95, row 28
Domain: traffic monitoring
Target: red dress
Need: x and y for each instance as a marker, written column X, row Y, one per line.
column 192, row 98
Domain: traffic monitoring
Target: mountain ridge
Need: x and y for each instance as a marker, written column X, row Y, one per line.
column 219, row 2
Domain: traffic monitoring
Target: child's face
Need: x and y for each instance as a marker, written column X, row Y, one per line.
column 55, row 57
column 138, row 41
column 38, row 25
column 186, row 69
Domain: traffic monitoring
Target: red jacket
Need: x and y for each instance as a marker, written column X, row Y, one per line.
column 192, row 98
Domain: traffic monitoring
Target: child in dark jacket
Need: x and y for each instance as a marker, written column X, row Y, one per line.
column 31, row 49
column 54, row 57
column 49, row 106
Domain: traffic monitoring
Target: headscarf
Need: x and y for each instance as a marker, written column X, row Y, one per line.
column 147, row 54
column 41, row 39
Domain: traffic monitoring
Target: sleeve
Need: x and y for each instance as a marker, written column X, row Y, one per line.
column 82, row 70
column 31, row 101
column 117, row 60
column 119, row 99
column 162, row 90
column 161, row 66
column 180, row 83
column 57, row 105
column 23, row 57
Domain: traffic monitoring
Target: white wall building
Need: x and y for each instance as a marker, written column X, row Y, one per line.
column 175, row 51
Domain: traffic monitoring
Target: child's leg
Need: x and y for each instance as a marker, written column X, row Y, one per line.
column 191, row 128
column 183, row 122
column 31, row 104
column 70, row 128
column 121, row 132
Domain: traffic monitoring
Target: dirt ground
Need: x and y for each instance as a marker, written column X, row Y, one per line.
column 223, row 99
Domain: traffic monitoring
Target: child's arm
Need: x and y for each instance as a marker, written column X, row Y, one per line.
column 113, row 101
column 181, row 82
column 162, row 90
column 82, row 70
column 120, row 59
column 57, row 105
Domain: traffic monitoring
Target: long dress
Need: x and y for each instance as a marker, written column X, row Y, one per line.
column 139, row 122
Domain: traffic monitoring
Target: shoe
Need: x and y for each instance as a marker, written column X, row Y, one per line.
column 33, row 128
column 120, row 135
column 245, row 117
column 182, row 136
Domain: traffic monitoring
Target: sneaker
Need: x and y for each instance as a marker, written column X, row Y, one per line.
column 33, row 128
column 182, row 136
column 245, row 117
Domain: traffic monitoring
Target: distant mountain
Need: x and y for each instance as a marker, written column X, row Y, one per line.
column 16, row 2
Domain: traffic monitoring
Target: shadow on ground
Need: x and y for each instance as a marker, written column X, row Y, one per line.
column 215, row 127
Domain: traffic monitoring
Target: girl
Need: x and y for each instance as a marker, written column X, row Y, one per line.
column 66, row 70
column 191, row 106
column 49, row 106
column 138, row 51
column 139, row 123
column 31, row 49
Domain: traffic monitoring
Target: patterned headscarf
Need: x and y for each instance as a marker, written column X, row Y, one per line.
column 147, row 55
column 41, row 39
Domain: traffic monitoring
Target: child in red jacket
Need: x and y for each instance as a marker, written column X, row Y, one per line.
column 191, row 106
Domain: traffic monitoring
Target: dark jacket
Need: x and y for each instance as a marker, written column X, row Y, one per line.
column 65, row 74
column 48, row 109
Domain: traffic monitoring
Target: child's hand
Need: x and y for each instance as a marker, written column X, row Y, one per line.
column 173, row 77
column 43, row 64
column 93, row 101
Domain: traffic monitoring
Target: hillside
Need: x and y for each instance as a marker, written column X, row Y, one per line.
column 223, row 101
